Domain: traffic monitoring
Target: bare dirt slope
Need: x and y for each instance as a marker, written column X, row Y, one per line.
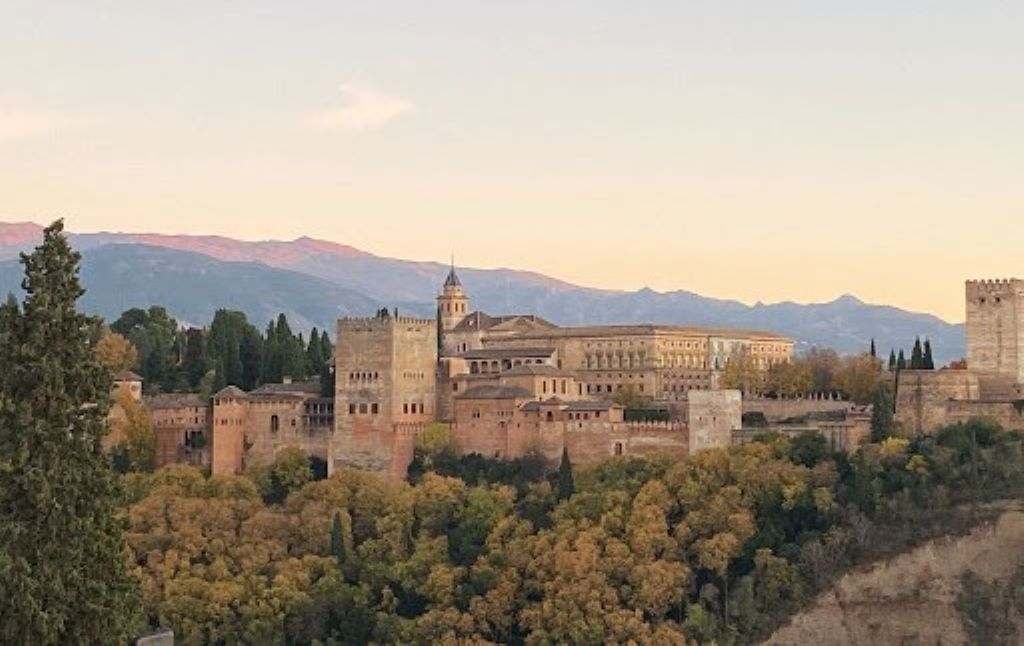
column 910, row 599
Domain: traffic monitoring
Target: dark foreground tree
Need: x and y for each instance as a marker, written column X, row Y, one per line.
column 566, row 488
column 63, row 568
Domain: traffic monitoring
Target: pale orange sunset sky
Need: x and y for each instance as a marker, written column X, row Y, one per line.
column 748, row 150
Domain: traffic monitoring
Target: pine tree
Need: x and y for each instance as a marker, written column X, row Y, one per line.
column 926, row 361
column 916, row 356
column 63, row 573
column 566, row 487
column 881, row 415
column 901, row 362
column 892, row 360
column 873, row 353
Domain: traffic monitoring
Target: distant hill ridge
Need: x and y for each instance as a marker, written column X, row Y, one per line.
column 313, row 281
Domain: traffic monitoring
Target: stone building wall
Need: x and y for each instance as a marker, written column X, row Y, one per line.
column 923, row 397
column 776, row 410
column 385, row 377
column 277, row 421
column 177, row 419
column 712, row 417
column 995, row 328
column 661, row 362
column 228, row 437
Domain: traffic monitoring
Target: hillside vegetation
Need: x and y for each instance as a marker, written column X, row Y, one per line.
column 719, row 548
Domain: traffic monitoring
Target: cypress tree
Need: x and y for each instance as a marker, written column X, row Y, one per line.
column 220, row 379
column 440, row 333
column 926, row 361
column 314, row 352
column 916, row 356
column 901, row 362
column 63, row 572
column 881, row 415
column 566, row 487
column 892, row 360
column 337, row 545
column 873, row 353
column 326, row 349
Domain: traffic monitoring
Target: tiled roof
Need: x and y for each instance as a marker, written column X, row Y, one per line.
column 174, row 400
column 536, row 369
column 647, row 330
column 582, row 405
column 585, row 405
column 231, row 392
column 496, row 392
column 508, row 353
column 311, row 387
column 483, row 321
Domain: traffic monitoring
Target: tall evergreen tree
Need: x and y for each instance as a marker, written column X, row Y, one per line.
column 250, row 355
column 440, row 333
column 917, row 356
column 195, row 363
column 566, row 486
column 326, row 349
column 892, row 360
column 63, row 572
column 881, row 415
column 874, row 354
column 901, row 362
column 926, row 360
column 314, row 352
column 337, row 545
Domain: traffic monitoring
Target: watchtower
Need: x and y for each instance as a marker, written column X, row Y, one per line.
column 995, row 328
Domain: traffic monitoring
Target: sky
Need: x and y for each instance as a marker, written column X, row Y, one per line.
column 762, row 151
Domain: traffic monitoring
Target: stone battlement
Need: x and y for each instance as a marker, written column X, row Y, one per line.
column 383, row 320
column 993, row 285
column 648, row 427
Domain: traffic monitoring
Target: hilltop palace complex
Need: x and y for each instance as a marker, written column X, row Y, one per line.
column 515, row 384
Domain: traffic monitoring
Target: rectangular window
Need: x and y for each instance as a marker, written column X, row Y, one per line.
column 374, row 409
column 351, row 409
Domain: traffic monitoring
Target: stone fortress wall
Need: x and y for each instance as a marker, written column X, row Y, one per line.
column 991, row 386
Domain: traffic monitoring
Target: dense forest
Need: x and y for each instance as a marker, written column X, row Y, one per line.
column 717, row 548
column 229, row 351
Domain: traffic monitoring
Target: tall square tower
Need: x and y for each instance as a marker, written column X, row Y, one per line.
column 995, row 328
column 385, row 390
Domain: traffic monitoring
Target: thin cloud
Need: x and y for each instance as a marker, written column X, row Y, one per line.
column 361, row 109
column 17, row 122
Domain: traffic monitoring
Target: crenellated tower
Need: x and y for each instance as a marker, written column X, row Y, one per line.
column 995, row 328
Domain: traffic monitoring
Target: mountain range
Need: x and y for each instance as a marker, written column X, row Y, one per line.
column 313, row 282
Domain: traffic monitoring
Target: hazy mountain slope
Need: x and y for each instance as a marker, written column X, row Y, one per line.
column 22, row 236
column 910, row 599
column 846, row 323
column 193, row 287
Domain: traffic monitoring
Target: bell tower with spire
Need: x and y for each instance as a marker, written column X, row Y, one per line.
column 452, row 304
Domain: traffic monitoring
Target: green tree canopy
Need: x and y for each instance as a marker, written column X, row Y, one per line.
column 63, row 574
